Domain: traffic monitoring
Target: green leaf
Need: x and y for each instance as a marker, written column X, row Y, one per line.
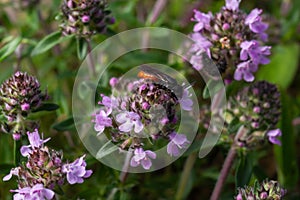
column 17, row 153
column 286, row 154
column 244, row 170
column 47, row 107
column 214, row 86
column 9, row 48
column 65, row 125
column 234, row 126
column 5, row 168
column 106, row 149
column 58, row 190
column 283, row 66
column 82, row 48
column 48, row 42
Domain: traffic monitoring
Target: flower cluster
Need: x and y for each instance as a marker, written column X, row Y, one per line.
column 145, row 111
column 257, row 107
column 19, row 95
column 44, row 170
column 231, row 38
column 265, row 190
column 85, row 18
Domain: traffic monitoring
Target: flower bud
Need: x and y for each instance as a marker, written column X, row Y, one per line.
column 254, row 103
column 265, row 190
column 85, row 18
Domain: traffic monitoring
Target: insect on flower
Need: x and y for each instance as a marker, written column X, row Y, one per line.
column 149, row 73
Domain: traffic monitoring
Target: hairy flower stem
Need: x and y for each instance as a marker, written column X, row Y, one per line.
column 156, row 11
column 189, row 163
column 227, row 165
column 90, row 58
column 124, row 173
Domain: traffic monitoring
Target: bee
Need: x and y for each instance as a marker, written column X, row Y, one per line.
column 149, row 73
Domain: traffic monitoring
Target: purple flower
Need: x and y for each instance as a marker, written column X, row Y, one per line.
column 85, row 19
column 36, row 192
column 113, row 81
column 244, row 71
column 202, row 19
column 128, row 121
column 273, row 134
column 232, row 4
column 255, row 23
column 196, row 61
column 178, row 141
column 13, row 171
column 185, row 102
column 108, row 102
column 76, row 171
column 35, row 142
column 25, row 107
column 202, row 44
column 142, row 157
column 239, row 197
column 257, row 54
column 101, row 121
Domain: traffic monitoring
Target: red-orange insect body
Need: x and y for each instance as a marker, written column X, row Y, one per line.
column 145, row 75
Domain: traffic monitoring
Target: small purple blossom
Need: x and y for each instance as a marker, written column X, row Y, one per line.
column 101, row 121
column 232, row 4
column 36, row 192
column 85, row 19
column 196, row 62
column 202, row 19
column 142, row 157
column 239, row 197
column 35, row 142
column 254, row 20
column 13, row 171
column 202, row 44
column 245, row 71
column 16, row 136
column 25, row 107
column 108, row 102
column 273, row 136
column 113, row 81
column 177, row 141
column 129, row 120
column 257, row 54
column 186, row 102
column 76, row 171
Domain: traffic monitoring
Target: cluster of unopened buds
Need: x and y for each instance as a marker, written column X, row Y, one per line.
column 257, row 107
column 233, row 39
column 262, row 191
column 19, row 96
column 44, row 170
column 146, row 111
column 85, row 18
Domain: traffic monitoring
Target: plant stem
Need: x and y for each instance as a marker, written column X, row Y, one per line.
column 189, row 163
column 90, row 58
column 156, row 11
column 124, row 173
column 227, row 165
